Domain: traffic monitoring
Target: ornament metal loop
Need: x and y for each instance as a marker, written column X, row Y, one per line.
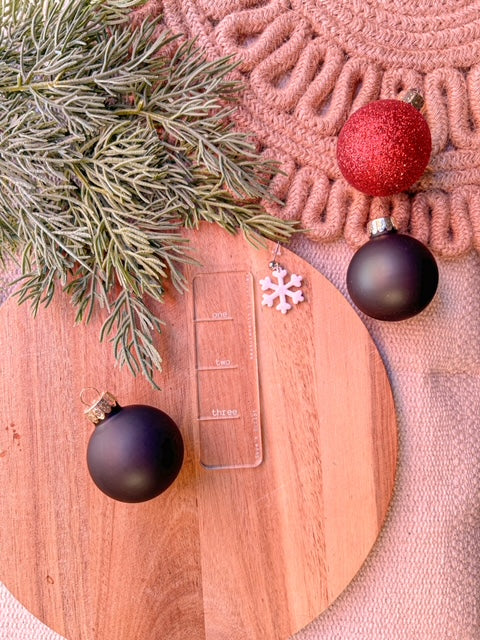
column 381, row 225
column 82, row 392
column 415, row 98
column 101, row 408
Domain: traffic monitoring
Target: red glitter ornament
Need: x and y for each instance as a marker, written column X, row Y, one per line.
column 384, row 147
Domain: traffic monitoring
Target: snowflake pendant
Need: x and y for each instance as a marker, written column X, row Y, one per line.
column 281, row 290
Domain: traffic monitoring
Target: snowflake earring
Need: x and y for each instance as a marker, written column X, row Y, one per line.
column 281, row 289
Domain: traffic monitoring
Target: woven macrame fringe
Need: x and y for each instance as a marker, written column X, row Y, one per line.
column 448, row 222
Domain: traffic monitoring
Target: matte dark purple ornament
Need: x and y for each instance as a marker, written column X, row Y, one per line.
column 135, row 452
column 393, row 276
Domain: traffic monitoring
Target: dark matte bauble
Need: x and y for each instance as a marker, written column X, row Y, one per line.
column 392, row 277
column 135, row 453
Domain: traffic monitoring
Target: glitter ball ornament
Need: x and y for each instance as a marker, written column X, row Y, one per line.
column 135, row 452
column 384, row 147
column 393, row 276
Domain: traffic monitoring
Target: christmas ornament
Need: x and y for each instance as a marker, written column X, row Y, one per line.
column 135, row 452
column 393, row 276
column 384, row 147
column 281, row 289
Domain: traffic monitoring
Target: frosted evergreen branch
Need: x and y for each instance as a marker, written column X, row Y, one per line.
column 130, row 327
column 108, row 149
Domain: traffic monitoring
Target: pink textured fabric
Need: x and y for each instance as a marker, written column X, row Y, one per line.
column 306, row 65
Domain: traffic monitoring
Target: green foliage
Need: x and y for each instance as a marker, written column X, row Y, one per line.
column 108, row 148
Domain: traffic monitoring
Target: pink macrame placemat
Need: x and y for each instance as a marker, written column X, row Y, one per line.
column 306, row 65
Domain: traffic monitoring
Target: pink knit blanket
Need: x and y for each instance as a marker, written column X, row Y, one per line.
column 306, row 65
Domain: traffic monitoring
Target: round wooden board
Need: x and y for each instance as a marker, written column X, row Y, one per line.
column 226, row 554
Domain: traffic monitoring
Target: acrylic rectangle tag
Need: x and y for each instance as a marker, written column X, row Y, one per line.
column 226, row 370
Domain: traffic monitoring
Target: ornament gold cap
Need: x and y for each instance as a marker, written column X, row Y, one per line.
column 101, row 407
column 415, row 98
column 378, row 226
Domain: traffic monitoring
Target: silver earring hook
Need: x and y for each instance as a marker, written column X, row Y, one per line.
column 273, row 264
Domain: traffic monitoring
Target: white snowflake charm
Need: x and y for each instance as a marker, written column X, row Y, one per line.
column 281, row 289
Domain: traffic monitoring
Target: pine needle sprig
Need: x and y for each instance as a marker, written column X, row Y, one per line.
column 109, row 147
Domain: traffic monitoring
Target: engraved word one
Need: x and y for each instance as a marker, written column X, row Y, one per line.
column 225, row 413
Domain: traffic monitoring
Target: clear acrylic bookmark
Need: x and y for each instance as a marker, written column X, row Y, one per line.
column 228, row 399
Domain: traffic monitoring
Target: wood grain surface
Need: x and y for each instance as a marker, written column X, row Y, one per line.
column 251, row 553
